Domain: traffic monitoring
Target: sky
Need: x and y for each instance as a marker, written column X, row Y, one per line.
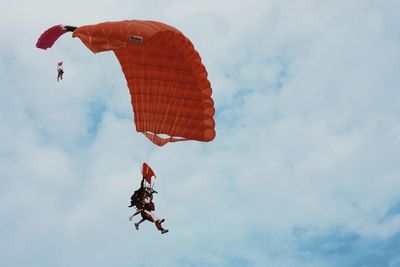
column 304, row 170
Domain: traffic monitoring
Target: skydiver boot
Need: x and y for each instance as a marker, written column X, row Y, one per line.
column 159, row 226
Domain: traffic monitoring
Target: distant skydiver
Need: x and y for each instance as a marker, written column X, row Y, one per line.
column 60, row 71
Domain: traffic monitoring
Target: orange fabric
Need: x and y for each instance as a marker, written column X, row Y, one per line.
column 169, row 89
column 147, row 173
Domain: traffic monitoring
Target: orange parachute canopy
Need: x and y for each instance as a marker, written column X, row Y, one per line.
column 170, row 92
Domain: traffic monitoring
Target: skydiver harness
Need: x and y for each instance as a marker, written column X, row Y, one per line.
column 137, row 199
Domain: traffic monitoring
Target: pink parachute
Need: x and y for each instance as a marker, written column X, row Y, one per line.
column 49, row 37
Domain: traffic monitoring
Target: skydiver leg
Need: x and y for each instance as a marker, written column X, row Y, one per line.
column 160, row 227
column 138, row 223
column 147, row 215
column 134, row 214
